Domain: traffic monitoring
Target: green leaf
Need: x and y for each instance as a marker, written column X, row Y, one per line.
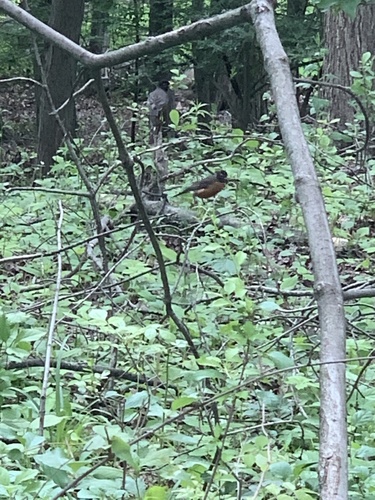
column 100, row 314
column 4, row 477
column 251, row 144
column 54, row 458
column 238, row 132
column 301, row 382
column 289, row 283
column 157, row 493
column 174, row 115
column 168, row 253
column 269, row 306
column 366, row 452
column 123, row 451
column 362, row 231
column 58, row 476
column 4, row 328
column 281, row 469
column 249, row 329
column 49, row 421
column 280, row 360
column 240, row 258
column 304, row 495
column 182, row 402
column 366, row 57
column 236, row 286
column 137, row 400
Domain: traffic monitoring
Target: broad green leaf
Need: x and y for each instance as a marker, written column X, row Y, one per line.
column 123, row 451
column 366, row 57
column 356, row 74
column 207, row 373
column 168, row 253
column 182, row 402
column 174, row 115
column 238, row 132
column 249, row 459
column 157, row 493
column 49, row 421
column 4, row 328
column 280, row 360
column 248, row 329
column 100, row 314
column 137, row 400
column 362, row 231
column 54, row 458
column 262, row 462
column 281, row 469
column 251, row 144
column 58, row 476
column 240, row 258
column 4, row 477
column 235, row 285
column 289, row 283
column 269, row 306
column 301, row 382
column 366, row 452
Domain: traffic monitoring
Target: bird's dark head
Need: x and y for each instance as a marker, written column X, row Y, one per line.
column 164, row 84
column 221, row 176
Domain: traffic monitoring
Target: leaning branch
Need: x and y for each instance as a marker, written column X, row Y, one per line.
column 153, row 45
column 333, row 434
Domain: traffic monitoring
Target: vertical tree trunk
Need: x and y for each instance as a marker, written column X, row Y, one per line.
column 99, row 24
column 243, row 93
column 160, row 21
column 204, row 67
column 346, row 40
column 296, row 8
column 66, row 17
column 161, row 17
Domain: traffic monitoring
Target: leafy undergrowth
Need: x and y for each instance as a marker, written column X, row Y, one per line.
column 241, row 420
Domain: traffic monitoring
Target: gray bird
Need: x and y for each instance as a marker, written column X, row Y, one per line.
column 160, row 102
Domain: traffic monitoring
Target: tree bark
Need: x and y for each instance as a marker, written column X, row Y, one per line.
column 60, row 69
column 333, row 465
column 155, row 45
column 99, row 24
column 160, row 21
column 161, row 17
column 243, row 93
column 346, row 40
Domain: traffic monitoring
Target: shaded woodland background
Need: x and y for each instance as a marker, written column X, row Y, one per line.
column 224, row 72
column 220, row 400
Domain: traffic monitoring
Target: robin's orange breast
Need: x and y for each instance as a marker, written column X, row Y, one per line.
column 209, row 191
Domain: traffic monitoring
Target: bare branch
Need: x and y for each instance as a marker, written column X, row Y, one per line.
column 52, row 325
column 352, row 94
column 21, row 79
column 128, row 165
column 153, row 45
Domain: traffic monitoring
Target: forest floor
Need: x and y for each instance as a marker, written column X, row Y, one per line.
column 18, row 120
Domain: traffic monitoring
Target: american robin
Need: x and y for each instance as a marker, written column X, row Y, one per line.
column 208, row 187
